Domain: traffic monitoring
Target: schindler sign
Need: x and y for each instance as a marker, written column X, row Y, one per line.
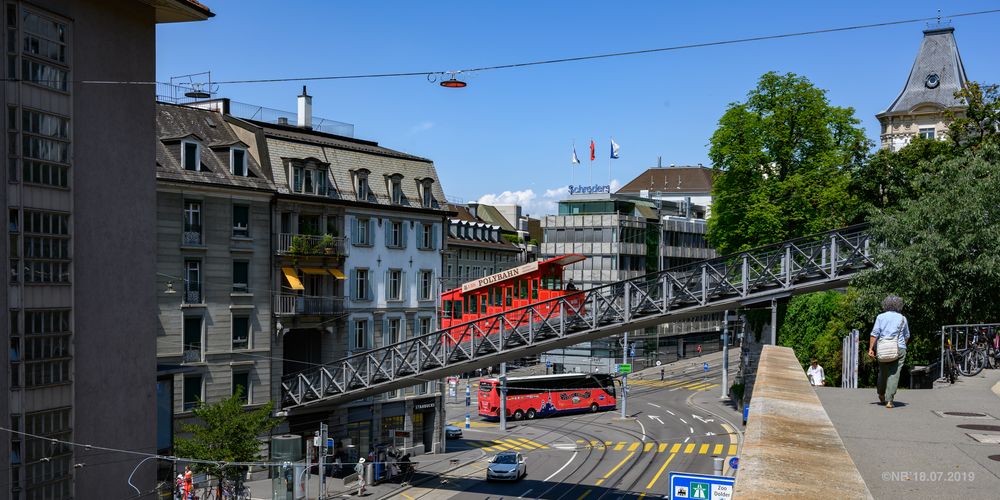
column 501, row 276
column 595, row 189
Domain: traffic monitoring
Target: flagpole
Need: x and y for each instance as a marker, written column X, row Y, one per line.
column 592, row 161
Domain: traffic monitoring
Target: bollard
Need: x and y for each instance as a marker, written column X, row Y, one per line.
column 717, row 465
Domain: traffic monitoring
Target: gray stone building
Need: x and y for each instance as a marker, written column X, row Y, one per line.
column 476, row 248
column 80, row 299
column 213, row 252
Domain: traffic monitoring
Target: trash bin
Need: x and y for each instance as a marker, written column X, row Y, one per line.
column 920, row 378
column 369, row 473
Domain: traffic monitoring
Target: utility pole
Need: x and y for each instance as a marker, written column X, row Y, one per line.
column 503, row 396
column 625, row 376
column 323, row 432
column 725, row 354
column 774, row 321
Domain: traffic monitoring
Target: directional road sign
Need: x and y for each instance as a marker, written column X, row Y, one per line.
column 700, row 486
column 625, row 368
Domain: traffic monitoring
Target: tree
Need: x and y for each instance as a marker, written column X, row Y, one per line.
column 782, row 159
column 980, row 119
column 227, row 433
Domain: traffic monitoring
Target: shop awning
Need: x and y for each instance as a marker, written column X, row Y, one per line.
column 337, row 274
column 313, row 270
column 293, row 278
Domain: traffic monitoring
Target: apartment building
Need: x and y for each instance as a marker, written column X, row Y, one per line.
column 213, row 262
column 476, row 248
column 80, row 299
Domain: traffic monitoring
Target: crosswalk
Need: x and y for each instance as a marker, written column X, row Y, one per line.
column 522, row 444
column 675, row 384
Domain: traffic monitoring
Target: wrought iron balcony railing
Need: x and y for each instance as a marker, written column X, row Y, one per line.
column 301, row 244
column 294, row 305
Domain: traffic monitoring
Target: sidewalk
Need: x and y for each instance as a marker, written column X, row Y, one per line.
column 937, row 443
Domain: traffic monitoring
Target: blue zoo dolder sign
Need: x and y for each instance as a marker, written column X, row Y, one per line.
column 700, row 486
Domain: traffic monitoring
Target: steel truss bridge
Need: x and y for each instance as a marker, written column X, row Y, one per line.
column 817, row 262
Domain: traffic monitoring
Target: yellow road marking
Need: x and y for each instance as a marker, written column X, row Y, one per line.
column 531, row 444
column 502, row 446
column 642, row 495
column 619, row 446
column 584, row 495
column 689, row 448
column 608, row 443
column 663, row 447
column 599, row 481
column 732, row 449
column 407, row 497
column 729, row 430
column 648, row 447
column 717, row 450
column 660, row 472
column 584, row 442
column 633, row 447
column 675, row 448
column 704, row 449
column 595, row 443
column 612, row 471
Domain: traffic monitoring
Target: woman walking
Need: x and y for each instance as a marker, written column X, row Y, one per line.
column 887, row 344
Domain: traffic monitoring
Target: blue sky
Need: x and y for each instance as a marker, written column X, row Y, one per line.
column 508, row 135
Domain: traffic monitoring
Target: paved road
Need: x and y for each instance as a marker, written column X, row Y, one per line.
column 594, row 456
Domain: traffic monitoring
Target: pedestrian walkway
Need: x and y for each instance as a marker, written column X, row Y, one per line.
column 521, row 444
column 935, row 443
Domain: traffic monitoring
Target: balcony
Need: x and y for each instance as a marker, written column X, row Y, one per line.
column 191, row 354
column 300, row 244
column 192, row 237
column 294, row 305
column 192, row 293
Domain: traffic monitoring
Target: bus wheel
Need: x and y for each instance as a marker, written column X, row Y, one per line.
column 593, row 407
column 518, row 415
column 530, row 414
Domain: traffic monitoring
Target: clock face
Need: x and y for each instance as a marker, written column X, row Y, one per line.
column 932, row 81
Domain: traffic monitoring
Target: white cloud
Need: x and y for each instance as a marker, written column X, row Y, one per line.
column 421, row 127
column 531, row 203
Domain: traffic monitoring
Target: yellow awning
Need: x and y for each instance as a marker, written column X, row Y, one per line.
column 313, row 270
column 337, row 274
column 293, row 278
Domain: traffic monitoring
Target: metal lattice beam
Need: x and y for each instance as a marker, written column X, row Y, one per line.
column 811, row 263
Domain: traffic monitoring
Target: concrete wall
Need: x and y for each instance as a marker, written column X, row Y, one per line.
column 790, row 448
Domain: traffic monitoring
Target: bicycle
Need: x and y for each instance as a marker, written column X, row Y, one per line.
column 950, row 362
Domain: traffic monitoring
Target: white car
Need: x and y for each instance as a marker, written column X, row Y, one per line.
column 452, row 432
column 506, row 466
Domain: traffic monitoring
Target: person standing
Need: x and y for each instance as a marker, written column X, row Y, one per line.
column 188, row 482
column 815, row 373
column 890, row 326
column 360, row 470
column 661, row 374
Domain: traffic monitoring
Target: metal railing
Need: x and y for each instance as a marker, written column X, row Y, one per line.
column 815, row 262
column 960, row 337
column 292, row 305
column 300, row 244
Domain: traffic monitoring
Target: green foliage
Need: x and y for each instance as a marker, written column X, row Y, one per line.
column 227, row 433
column 980, row 120
column 300, row 245
column 783, row 160
column 513, row 238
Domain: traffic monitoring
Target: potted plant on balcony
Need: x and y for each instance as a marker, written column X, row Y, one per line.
column 327, row 244
column 300, row 245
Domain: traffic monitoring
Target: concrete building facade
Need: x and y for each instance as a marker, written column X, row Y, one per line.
column 81, row 335
column 476, row 248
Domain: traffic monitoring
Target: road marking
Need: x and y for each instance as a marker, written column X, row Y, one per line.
column 674, row 389
column 729, row 430
column 648, row 447
column 660, row 472
column 612, row 471
column 684, row 421
column 563, row 467
column 691, row 429
column 655, row 405
column 655, row 417
column 584, row 495
column 599, row 481
column 642, row 495
column 408, row 497
column 718, row 449
column 687, row 438
column 671, row 413
column 595, row 444
column 662, row 448
column 619, row 446
column 633, row 446
column 532, row 443
column 675, row 448
column 581, row 441
column 608, row 443
column 689, row 448
column 564, row 446
column 643, row 427
column 704, row 449
column 703, row 419
column 732, row 449
column 524, row 494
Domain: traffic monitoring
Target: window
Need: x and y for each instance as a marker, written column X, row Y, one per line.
column 241, row 385
column 309, row 180
column 362, row 285
column 241, row 221
column 363, row 190
column 238, row 162
column 192, row 391
column 395, row 234
column 192, row 223
column 396, row 183
column 361, row 232
column 241, row 332
column 927, row 133
column 192, row 281
column 46, row 247
column 426, row 285
column 423, row 326
column 191, row 156
column 426, row 237
column 427, row 198
column 47, row 462
column 45, row 146
column 392, row 330
column 241, row 276
column 191, row 350
column 46, row 352
column 44, row 38
column 394, row 284
column 360, row 339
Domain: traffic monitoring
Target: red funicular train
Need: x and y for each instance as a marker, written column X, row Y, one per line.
column 516, row 287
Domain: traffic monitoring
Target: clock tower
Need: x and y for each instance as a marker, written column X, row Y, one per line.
column 930, row 90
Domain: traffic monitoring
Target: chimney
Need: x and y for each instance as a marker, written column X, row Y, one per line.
column 659, row 162
column 305, row 109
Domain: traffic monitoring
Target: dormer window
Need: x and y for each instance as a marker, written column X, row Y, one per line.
column 426, row 195
column 191, row 156
column 396, row 184
column 362, row 188
column 309, row 180
column 238, row 162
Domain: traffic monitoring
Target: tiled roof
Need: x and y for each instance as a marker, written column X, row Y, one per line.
column 493, row 245
column 695, row 179
column 462, row 212
column 936, row 75
column 491, row 215
column 210, row 129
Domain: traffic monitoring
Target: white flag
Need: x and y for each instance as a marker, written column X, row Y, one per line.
column 614, row 150
column 575, row 159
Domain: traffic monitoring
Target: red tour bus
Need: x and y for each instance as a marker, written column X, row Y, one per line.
column 546, row 395
column 516, row 287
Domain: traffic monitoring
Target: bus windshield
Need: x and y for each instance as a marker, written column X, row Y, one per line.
column 486, row 386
